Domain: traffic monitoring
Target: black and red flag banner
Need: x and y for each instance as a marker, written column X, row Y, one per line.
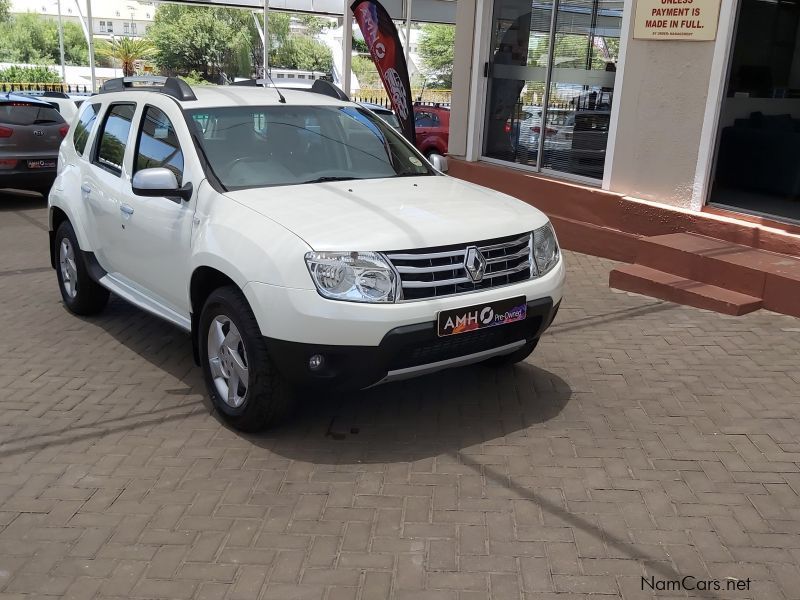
column 383, row 42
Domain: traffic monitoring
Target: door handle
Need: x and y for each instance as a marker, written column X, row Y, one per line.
column 86, row 188
column 125, row 208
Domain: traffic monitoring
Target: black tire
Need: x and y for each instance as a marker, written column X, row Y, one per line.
column 513, row 358
column 268, row 397
column 89, row 297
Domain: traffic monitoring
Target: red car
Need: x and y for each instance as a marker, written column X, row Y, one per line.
column 433, row 128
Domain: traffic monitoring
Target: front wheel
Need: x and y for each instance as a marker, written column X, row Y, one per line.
column 242, row 382
column 81, row 294
column 515, row 357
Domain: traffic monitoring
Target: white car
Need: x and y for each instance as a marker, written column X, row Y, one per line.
column 65, row 105
column 299, row 239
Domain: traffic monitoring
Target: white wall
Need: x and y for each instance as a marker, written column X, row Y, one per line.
column 661, row 100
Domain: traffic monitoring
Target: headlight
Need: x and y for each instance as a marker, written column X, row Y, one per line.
column 353, row 276
column 545, row 248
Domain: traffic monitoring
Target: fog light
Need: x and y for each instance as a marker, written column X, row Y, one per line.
column 315, row 362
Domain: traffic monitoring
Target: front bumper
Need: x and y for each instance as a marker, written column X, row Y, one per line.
column 406, row 351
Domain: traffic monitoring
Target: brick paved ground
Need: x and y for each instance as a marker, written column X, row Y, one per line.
column 642, row 438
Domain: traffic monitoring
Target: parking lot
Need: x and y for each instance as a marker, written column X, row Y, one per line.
column 641, row 440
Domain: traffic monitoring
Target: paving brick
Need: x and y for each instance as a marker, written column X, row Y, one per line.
column 641, row 437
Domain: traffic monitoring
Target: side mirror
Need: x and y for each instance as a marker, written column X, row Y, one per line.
column 159, row 181
column 439, row 162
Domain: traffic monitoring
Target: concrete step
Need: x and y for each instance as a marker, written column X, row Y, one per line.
column 674, row 288
column 775, row 278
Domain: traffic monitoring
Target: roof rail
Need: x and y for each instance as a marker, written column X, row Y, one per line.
column 320, row 86
column 171, row 86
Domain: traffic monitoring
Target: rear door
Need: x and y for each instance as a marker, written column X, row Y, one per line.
column 103, row 181
column 30, row 133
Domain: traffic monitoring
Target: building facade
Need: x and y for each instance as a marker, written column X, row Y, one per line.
column 690, row 104
column 110, row 18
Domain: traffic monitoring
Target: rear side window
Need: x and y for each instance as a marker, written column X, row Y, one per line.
column 158, row 144
column 84, row 126
column 114, row 137
column 22, row 113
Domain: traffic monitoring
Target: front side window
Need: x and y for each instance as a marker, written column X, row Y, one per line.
column 157, row 144
column 250, row 146
column 84, row 126
column 114, row 137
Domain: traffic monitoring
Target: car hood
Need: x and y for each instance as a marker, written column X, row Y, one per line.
column 391, row 214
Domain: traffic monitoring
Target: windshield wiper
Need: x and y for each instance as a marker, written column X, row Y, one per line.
column 331, row 178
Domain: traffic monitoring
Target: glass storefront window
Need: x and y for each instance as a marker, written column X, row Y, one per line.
column 551, row 110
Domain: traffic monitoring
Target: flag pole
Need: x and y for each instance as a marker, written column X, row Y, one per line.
column 61, row 43
column 266, row 41
column 408, row 28
column 90, row 41
column 347, row 46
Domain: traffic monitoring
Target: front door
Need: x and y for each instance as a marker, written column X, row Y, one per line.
column 156, row 231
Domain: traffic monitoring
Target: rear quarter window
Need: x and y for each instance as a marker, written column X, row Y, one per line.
column 84, row 126
column 20, row 113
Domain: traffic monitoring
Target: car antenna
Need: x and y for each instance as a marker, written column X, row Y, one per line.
column 282, row 100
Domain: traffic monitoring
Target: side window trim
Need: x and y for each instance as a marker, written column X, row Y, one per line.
column 98, row 139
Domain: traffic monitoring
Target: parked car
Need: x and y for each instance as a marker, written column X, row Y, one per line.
column 387, row 114
column 31, row 131
column 297, row 238
column 587, row 156
column 432, row 124
column 60, row 101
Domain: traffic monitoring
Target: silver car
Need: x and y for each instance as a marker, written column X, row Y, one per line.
column 31, row 131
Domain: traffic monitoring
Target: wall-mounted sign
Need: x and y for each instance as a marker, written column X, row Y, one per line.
column 688, row 20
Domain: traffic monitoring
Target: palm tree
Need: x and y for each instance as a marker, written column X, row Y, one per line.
column 127, row 51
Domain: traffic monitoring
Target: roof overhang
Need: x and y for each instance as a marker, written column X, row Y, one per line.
column 424, row 11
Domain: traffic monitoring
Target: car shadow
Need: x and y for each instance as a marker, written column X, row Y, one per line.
column 442, row 413
column 404, row 421
column 11, row 200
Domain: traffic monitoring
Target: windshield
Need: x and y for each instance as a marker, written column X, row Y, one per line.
column 258, row 146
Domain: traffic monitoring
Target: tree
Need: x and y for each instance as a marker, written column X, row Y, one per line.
column 5, row 10
column 303, row 53
column 41, row 74
column 366, row 72
column 126, row 51
column 436, row 49
column 31, row 38
column 206, row 40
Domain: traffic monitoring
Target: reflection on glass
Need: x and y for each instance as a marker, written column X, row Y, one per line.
column 568, row 119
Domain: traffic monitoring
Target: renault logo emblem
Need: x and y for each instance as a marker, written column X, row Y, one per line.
column 475, row 264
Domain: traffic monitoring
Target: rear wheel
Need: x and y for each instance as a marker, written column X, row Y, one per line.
column 511, row 359
column 242, row 382
column 81, row 294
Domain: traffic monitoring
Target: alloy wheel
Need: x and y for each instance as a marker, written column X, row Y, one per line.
column 69, row 270
column 227, row 359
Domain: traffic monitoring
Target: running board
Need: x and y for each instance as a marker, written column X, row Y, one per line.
column 138, row 299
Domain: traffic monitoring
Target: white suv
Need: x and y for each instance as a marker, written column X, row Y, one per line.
column 298, row 238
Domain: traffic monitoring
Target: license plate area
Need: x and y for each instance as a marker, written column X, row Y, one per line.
column 42, row 164
column 481, row 316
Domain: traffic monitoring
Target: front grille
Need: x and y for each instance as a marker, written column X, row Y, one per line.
column 440, row 271
column 435, row 349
